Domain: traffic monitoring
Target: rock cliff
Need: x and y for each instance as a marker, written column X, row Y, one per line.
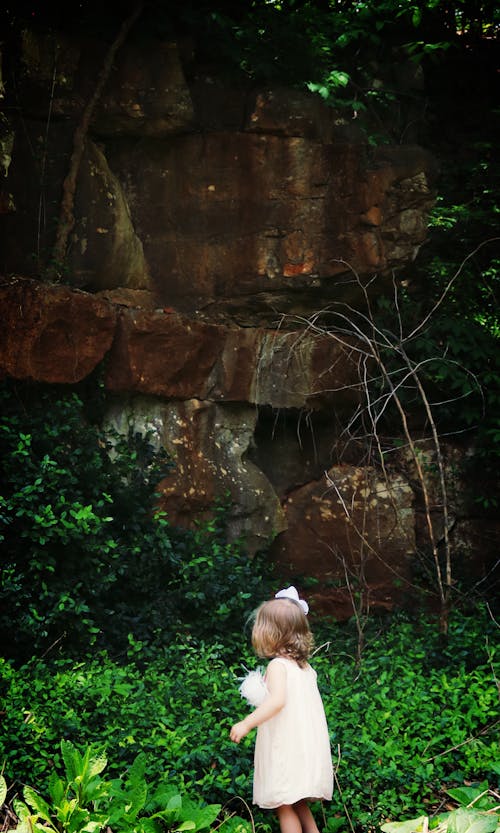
column 208, row 219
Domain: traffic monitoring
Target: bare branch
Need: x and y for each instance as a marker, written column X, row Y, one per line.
column 448, row 286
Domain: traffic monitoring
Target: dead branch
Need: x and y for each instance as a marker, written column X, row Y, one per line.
column 464, row 742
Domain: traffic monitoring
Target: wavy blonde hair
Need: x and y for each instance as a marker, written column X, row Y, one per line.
column 281, row 629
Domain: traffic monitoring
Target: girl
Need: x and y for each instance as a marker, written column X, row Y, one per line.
column 293, row 761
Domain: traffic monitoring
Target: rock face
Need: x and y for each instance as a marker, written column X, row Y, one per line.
column 356, row 525
column 52, row 333
column 233, row 204
column 246, row 214
column 208, row 444
column 172, row 356
column 250, row 413
column 104, row 239
column 210, row 224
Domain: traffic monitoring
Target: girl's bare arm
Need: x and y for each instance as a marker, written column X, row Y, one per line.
column 274, row 702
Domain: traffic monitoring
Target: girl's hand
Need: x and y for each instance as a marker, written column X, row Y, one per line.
column 239, row 731
column 274, row 702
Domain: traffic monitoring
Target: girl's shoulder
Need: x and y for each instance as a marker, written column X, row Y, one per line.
column 278, row 661
column 291, row 663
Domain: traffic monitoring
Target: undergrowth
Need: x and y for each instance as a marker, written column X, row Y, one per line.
column 86, row 559
column 415, row 717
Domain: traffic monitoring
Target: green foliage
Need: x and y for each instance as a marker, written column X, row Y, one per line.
column 172, row 704
column 86, row 559
column 346, row 52
column 84, row 802
column 416, row 716
column 478, row 812
column 451, row 306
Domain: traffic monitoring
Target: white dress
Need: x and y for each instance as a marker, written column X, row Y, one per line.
column 292, row 752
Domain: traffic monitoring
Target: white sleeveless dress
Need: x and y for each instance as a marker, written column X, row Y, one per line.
column 292, row 751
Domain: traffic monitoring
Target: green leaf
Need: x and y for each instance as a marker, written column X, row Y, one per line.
column 97, row 764
column 472, row 821
column 3, row 790
column 204, row 816
column 466, row 795
column 72, row 760
column 412, row 826
column 25, row 818
column 337, row 78
column 21, row 810
column 56, row 788
column 175, row 803
column 37, row 803
column 150, row 825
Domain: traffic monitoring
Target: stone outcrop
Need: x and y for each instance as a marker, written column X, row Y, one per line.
column 208, row 444
column 52, row 334
column 172, row 356
column 251, row 414
column 358, row 529
column 104, row 240
column 241, row 214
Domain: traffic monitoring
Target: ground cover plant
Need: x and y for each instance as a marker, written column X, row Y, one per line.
column 478, row 811
column 415, row 717
column 84, row 800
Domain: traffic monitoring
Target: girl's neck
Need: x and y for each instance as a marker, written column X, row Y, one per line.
column 287, row 655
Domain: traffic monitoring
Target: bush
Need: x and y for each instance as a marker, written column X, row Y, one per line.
column 86, row 560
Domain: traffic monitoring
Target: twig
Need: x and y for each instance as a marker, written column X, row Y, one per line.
column 55, row 642
column 464, row 742
column 41, row 198
column 448, row 286
column 337, row 783
column 245, row 804
column 481, row 795
column 320, row 647
column 491, row 615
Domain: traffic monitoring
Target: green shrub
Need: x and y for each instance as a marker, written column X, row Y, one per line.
column 85, row 559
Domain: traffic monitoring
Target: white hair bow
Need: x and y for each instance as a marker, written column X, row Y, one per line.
column 291, row 593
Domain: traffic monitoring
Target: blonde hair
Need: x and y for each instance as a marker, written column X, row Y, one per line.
column 281, row 629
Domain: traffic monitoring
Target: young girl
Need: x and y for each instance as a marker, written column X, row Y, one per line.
column 293, row 762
